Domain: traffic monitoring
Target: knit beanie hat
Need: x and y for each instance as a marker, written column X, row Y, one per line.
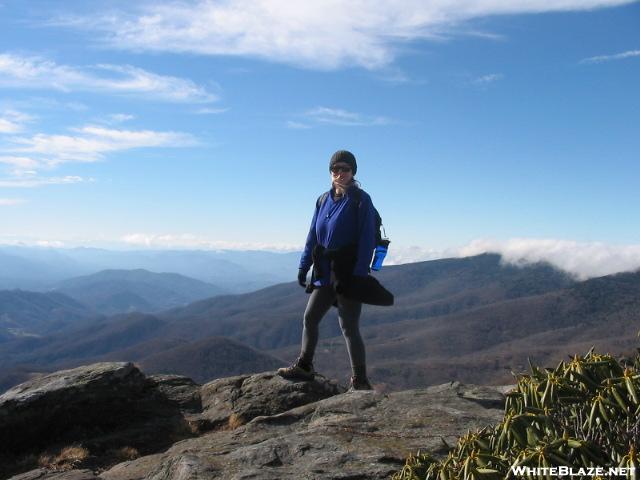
column 343, row 156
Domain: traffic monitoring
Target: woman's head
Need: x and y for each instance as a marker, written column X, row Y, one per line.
column 343, row 167
column 343, row 156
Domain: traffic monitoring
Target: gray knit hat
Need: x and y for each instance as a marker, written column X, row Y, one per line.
column 343, row 156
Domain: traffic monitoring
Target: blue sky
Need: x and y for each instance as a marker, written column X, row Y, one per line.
column 210, row 124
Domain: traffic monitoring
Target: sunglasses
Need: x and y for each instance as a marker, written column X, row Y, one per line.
column 337, row 169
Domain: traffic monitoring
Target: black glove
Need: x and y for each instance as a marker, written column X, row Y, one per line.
column 302, row 277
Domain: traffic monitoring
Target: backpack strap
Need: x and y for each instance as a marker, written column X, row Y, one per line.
column 321, row 199
column 357, row 196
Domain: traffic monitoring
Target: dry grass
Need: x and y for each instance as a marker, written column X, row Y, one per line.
column 66, row 459
column 194, row 428
column 125, row 453
column 235, row 421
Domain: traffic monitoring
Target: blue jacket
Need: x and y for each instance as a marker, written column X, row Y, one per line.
column 339, row 223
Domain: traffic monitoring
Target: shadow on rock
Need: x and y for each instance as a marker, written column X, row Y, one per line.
column 92, row 416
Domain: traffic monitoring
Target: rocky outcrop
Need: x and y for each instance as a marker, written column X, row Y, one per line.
column 265, row 427
column 42, row 410
column 103, row 407
column 360, row 435
column 234, row 401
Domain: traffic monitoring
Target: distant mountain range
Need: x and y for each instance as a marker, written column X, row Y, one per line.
column 118, row 291
column 26, row 314
column 235, row 271
column 470, row 319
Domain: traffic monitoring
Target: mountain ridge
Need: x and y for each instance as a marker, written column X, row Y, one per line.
column 115, row 291
column 453, row 319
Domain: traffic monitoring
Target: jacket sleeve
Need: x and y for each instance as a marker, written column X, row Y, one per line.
column 366, row 236
column 312, row 240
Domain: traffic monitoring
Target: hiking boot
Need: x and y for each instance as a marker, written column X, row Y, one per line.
column 298, row 370
column 359, row 383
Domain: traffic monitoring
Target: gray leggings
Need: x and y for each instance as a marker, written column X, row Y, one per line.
column 349, row 315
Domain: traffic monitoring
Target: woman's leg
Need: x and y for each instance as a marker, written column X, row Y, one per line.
column 349, row 316
column 319, row 303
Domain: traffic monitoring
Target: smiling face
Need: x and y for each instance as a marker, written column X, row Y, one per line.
column 341, row 173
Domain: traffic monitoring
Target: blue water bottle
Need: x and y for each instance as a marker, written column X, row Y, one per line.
column 381, row 252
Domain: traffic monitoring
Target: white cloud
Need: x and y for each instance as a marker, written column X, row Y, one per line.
column 29, row 241
column 33, row 182
column 585, row 260
column 211, row 111
column 337, row 116
column 49, row 244
column 90, row 143
column 27, row 155
column 12, row 121
column 7, row 202
column 298, row 125
column 120, row 117
column 22, row 163
column 487, row 79
column 8, row 126
column 35, row 73
column 190, row 241
column 324, row 34
column 608, row 58
column 397, row 77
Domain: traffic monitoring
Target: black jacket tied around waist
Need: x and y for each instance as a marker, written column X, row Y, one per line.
column 365, row 289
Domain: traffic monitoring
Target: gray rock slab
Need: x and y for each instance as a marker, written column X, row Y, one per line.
column 103, row 407
column 91, row 396
column 44, row 474
column 358, row 435
column 179, row 390
column 234, row 401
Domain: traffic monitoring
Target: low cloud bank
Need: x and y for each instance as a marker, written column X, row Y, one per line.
column 582, row 259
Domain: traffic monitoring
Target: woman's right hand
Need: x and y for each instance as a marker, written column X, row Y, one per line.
column 302, row 277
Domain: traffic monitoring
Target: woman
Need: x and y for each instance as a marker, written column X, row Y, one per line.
column 343, row 225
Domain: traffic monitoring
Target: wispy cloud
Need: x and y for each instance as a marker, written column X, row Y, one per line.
column 298, row 125
column 211, row 111
column 338, row 116
column 609, row 58
column 120, row 117
column 188, row 240
column 8, row 202
column 12, row 121
column 38, row 73
column 33, row 182
column 487, row 79
column 89, row 144
column 29, row 241
column 22, row 163
column 322, row 34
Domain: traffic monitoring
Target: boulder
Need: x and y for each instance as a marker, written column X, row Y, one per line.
column 99, row 396
column 104, row 407
column 179, row 390
column 233, row 401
